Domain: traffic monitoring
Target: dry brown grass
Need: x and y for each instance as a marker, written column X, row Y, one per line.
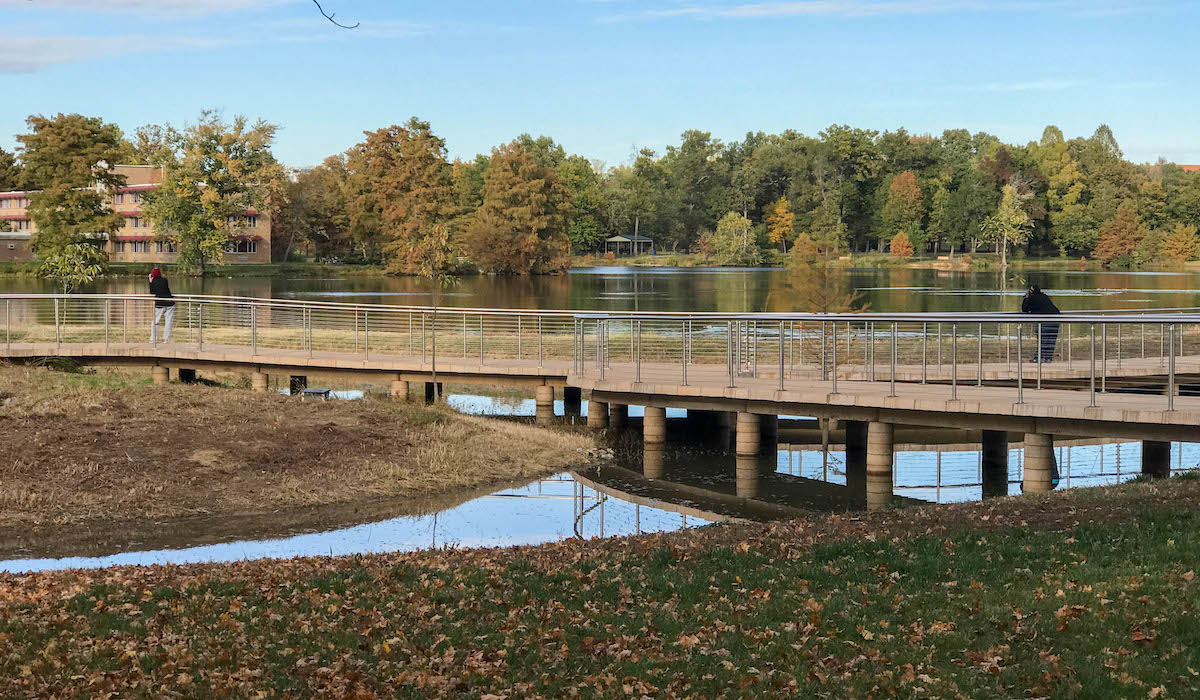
column 112, row 447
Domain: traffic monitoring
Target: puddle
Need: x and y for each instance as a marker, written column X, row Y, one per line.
column 695, row 482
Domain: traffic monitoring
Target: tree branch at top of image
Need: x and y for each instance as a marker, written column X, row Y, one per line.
column 330, row 17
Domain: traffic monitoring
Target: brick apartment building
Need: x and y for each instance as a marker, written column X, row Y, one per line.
column 136, row 240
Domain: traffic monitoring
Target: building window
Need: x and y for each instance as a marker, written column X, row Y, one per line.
column 135, row 197
column 22, row 225
column 166, row 247
column 118, row 198
column 118, row 246
column 241, row 247
column 252, row 221
column 139, row 246
column 14, row 203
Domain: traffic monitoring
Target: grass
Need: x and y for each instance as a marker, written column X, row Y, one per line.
column 1084, row 594
column 292, row 269
column 111, row 448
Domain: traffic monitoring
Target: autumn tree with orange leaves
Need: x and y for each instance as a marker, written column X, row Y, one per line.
column 780, row 223
column 1119, row 238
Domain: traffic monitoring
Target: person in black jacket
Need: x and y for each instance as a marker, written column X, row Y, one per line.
column 164, row 308
column 1036, row 302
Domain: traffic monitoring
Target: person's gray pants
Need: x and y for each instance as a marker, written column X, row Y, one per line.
column 166, row 316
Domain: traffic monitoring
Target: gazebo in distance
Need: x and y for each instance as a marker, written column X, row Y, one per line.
column 634, row 244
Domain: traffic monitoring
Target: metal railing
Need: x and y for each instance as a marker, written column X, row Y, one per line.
column 1090, row 351
column 1076, row 350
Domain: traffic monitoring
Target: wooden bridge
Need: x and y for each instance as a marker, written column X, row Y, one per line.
column 1131, row 375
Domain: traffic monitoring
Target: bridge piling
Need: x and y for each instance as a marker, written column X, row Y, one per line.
column 618, row 416
column 654, row 457
column 749, row 434
column 597, row 415
column 1156, row 458
column 1040, row 464
column 258, row 382
column 160, row 374
column 399, row 390
column 746, row 476
column 880, row 464
column 544, row 396
column 994, row 456
column 654, row 426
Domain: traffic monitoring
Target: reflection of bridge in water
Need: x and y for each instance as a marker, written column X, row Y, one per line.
column 1129, row 375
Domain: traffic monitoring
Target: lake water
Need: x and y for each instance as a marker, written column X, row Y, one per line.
column 698, row 485
column 703, row 289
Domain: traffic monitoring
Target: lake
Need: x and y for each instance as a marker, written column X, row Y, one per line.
column 702, row 289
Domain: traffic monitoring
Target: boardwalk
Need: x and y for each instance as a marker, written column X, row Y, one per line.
column 1112, row 376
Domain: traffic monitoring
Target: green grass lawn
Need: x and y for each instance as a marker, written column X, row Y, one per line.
column 1083, row 594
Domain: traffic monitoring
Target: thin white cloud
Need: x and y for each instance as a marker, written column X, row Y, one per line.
column 30, row 54
column 1048, row 84
column 863, row 8
column 157, row 7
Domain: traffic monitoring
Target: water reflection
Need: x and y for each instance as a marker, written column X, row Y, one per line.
column 701, row 289
column 694, row 479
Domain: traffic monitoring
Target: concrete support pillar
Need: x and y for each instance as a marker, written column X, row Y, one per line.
column 769, row 428
column 160, row 374
column 597, row 415
column 746, row 476
column 856, row 461
column 572, row 401
column 654, row 458
column 297, row 383
column 654, row 426
column 544, row 395
column 1040, row 466
column 399, row 390
column 258, row 382
column 187, row 376
column 995, row 463
column 749, row 433
column 1156, row 458
column 880, row 464
column 618, row 416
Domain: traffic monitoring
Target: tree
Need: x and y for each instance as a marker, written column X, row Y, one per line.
column 939, row 214
column 902, row 248
column 732, row 242
column 521, row 226
column 406, row 186
column 904, row 208
column 583, row 186
column 1181, row 245
column 217, row 172
column 74, row 265
column 68, row 163
column 315, row 212
column 813, row 284
column 1120, row 236
column 1010, row 223
column 154, row 144
column 780, row 223
column 11, row 177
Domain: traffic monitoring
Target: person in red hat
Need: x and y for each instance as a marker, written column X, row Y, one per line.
column 164, row 308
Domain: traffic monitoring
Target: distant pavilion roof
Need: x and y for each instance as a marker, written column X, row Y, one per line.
column 623, row 238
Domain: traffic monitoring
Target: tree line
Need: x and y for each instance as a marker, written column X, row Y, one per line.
column 397, row 199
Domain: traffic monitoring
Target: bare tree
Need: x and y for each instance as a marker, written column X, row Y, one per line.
column 330, row 17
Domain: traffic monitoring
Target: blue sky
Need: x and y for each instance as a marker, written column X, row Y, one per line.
column 606, row 77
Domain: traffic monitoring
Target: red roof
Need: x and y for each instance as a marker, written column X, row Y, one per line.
column 136, row 188
column 14, row 217
column 12, row 195
column 1190, row 168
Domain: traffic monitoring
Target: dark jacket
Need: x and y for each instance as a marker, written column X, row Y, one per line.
column 1038, row 303
column 162, row 290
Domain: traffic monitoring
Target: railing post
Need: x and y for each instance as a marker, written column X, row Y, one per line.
column 1143, row 327
column 924, row 351
column 481, row 339
column 953, row 362
column 8, row 324
column 637, row 372
column 356, row 330
column 254, row 330
column 1020, row 363
column 729, row 350
column 200, row 334
column 1040, row 340
column 599, row 343
column 1104, row 357
column 1092, row 381
column 940, row 365
column 979, row 358
column 781, row 350
column 367, row 336
column 464, row 334
column 1069, row 333
column 824, row 369
column 833, row 389
column 58, row 332
column 539, row 319
column 107, row 311
column 683, row 358
column 892, row 391
column 1171, row 373
column 518, row 336
column 124, row 320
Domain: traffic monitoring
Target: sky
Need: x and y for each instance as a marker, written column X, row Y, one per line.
column 606, row 78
